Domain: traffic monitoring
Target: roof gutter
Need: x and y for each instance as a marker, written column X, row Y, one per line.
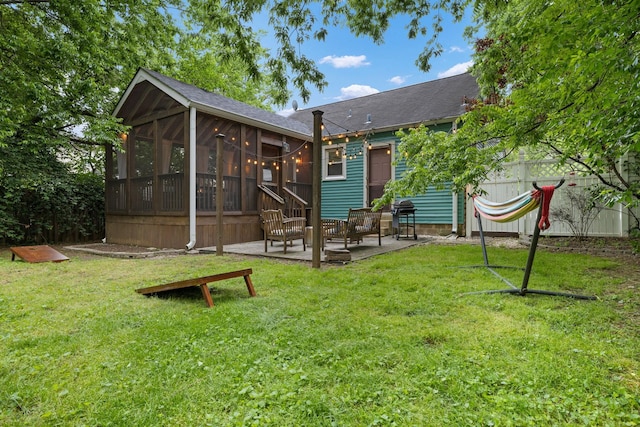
column 192, row 179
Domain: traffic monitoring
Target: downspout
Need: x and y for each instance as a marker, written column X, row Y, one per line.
column 454, row 213
column 192, row 179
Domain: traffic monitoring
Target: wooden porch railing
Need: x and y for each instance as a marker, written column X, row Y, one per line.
column 269, row 199
column 295, row 206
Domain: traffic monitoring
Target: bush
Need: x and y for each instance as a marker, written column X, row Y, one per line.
column 581, row 210
column 42, row 201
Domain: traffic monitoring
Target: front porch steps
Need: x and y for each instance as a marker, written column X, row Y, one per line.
column 386, row 224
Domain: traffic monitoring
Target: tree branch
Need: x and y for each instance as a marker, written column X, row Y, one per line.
column 590, row 169
column 22, row 1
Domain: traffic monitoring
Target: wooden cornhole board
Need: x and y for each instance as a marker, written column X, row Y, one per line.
column 41, row 253
column 201, row 282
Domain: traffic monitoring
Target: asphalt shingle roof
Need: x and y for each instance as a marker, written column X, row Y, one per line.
column 428, row 102
column 405, row 107
column 219, row 102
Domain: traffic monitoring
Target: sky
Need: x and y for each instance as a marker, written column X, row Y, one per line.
column 355, row 67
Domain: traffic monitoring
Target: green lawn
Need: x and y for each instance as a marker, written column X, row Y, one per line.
column 389, row 341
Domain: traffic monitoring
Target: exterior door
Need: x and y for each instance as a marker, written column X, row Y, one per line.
column 379, row 173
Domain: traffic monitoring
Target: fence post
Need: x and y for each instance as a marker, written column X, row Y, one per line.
column 523, row 185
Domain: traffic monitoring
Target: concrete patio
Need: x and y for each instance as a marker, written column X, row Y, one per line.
column 367, row 248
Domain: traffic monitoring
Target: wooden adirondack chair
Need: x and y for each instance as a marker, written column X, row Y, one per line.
column 277, row 227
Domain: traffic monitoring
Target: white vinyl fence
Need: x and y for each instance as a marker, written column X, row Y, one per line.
column 518, row 177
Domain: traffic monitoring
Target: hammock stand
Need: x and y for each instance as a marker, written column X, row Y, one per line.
column 510, row 211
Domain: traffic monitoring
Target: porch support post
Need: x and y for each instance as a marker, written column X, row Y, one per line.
column 219, row 193
column 316, row 188
column 192, row 179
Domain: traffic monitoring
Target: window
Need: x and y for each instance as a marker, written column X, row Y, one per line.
column 334, row 165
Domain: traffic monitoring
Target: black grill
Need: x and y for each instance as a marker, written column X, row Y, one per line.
column 401, row 212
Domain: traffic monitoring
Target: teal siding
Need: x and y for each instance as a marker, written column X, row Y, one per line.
column 436, row 206
column 340, row 195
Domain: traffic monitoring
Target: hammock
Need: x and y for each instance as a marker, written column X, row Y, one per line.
column 512, row 210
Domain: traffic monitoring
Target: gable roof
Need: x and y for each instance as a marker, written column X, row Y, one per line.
column 218, row 105
column 430, row 102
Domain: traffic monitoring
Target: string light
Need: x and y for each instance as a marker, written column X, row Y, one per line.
column 348, row 152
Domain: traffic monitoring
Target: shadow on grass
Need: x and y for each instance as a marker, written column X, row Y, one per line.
column 193, row 295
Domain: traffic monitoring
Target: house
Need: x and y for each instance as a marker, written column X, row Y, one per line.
column 360, row 146
column 161, row 184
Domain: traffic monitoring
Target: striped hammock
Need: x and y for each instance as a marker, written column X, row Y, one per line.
column 510, row 210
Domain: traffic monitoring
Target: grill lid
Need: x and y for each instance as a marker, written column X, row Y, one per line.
column 403, row 206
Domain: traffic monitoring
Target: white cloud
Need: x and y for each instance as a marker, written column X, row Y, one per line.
column 356, row 91
column 456, row 69
column 398, row 80
column 347, row 61
column 286, row 113
column 456, row 49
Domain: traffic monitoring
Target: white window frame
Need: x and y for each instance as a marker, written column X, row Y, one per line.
column 327, row 152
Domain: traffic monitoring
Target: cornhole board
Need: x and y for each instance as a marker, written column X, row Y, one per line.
column 41, row 253
column 201, row 282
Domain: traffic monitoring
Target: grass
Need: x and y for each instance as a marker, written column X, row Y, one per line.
column 388, row 341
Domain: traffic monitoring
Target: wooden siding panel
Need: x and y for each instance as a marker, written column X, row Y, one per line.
column 148, row 231
column 338, row 196
column 434, row 207
column 237, row 229
column 173, row 231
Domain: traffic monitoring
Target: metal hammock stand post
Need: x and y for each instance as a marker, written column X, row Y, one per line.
column 510, row 211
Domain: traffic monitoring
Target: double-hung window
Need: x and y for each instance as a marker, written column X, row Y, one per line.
column 334, row 164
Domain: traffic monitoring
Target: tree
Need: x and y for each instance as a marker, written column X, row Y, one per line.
column 63, row 67
column 295, row 22
column 559, row 79
column 65, row 63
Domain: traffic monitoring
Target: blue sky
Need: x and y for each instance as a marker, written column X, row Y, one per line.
column 356, row 67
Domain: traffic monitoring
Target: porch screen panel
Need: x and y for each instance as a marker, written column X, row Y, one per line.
column 116, row 185
column 206, row 161
column 232, row 168
column 298, row 161
column 207, row 128
column 250, row 169
column 142, row 168
column 172, row 163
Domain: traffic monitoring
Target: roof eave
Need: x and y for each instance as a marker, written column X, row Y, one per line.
column 250, row 121
column 142, row 75
column 408, row 125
